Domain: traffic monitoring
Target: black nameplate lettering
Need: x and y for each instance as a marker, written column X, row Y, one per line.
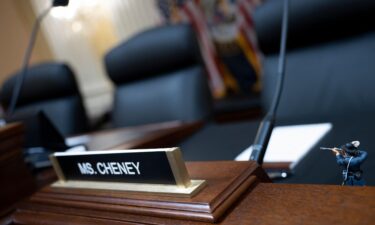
column 130, row 166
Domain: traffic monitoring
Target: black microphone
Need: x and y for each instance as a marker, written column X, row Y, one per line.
column 266, row 126
column 20, row 80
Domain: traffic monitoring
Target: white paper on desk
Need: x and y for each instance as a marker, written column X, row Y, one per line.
column 77, row 140
column 77, row 148
column 290, row 143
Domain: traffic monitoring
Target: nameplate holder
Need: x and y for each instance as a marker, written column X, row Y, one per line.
column 160, row 171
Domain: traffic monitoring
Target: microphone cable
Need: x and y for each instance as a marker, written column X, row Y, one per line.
column 21, row 78
column 266, row 126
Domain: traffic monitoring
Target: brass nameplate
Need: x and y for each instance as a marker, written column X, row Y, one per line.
column 146, row 170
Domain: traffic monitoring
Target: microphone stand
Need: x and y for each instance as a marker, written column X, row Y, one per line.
column 25, row 63
column 266, row 126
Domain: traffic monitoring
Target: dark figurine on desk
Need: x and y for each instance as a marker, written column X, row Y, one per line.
column 350, row 158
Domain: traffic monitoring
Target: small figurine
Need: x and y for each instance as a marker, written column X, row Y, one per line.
column 350, row 158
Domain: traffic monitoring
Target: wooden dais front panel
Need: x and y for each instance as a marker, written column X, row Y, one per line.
column 16, row 181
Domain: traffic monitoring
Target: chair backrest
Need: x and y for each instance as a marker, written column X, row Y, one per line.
column 329, row 67
column 312, row 22
column 335, row 79
column 51, row 88
column 158, row 78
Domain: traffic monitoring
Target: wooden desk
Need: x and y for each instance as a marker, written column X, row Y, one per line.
column 158, row 135
column 16, row 181
column 236, row 193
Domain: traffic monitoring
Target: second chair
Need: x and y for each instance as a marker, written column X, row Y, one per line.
column 158, row 78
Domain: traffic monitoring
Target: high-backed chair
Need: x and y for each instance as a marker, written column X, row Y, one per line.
column 329, row 77
column 331, row 47
column 51, row 88
column 158, row 78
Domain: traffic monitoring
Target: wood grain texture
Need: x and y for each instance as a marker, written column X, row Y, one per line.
column 165, row 137
column 305, row 204
column 261, row 203
column 226, row 182
column 159, row 135
column 11, row 130
column 237, row 193
column 16, row 180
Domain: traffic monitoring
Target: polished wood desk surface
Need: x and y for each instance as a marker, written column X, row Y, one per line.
column 19, row 183
column 159, row 135
column 16, row 181
column 255, row 200
column 236, row 193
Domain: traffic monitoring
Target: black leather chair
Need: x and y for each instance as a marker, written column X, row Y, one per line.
column 158, row 78
column 51, row 88
column 331, row 47
column 330, row 75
